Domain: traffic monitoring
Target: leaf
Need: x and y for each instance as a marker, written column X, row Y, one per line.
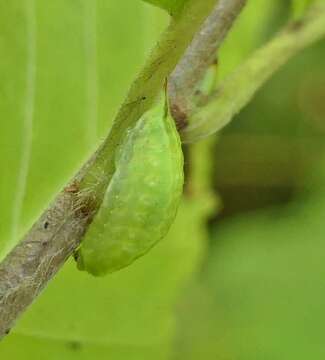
column 264, row 283
column 13, row 65
column 299, row 8
column 20, row 346
column 172, row 6
column 81, row 76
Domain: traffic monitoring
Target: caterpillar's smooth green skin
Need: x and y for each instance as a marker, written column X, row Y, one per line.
column 142, row 198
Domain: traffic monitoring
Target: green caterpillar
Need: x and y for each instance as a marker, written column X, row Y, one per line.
column 142, row 198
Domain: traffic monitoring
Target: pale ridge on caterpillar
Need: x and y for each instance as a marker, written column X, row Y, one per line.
column 141, row 201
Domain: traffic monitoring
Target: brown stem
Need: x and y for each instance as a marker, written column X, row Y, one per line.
column 53, row 238
column 199, row 56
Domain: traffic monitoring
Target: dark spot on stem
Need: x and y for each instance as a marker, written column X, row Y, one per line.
column 180, row 117
column 86, row 206
column 46, row 224
column 76, row 256
column 187, row 171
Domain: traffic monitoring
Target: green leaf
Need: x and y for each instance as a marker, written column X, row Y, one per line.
column 172, row 6
column 63, row 75
column 18, row 347
column 299, row 8
column 263, row 283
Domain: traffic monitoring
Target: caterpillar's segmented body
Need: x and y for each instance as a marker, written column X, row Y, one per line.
column 142, row 198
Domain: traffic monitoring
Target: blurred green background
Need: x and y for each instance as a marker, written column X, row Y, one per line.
column 240, row 275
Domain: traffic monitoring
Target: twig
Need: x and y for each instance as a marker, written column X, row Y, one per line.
column 236, row 91
column 34, row 261
column 199, row 56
